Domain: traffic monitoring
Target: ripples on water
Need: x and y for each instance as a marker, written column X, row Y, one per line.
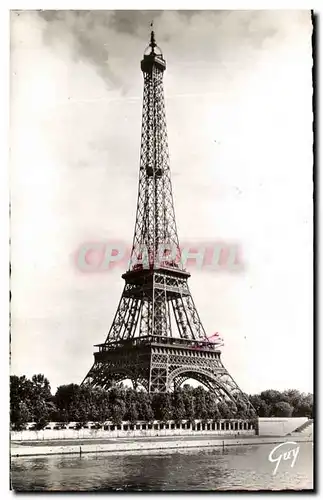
column 242, row 467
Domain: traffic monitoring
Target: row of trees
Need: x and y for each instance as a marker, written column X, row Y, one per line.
column 31, row 400
column 290, row 403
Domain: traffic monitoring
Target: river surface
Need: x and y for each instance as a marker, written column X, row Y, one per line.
column 241, row 467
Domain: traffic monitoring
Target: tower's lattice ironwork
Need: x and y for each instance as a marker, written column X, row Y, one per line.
column 157, row 339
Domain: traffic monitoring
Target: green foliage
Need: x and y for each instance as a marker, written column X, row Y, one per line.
column 20, row 416
column 178, row 406
column 117, row 404
column 283, row 409
column 41, row 412
column 67, row 400
column 242, row 410
column 131, row 402
column 189, row 402
column 201, row 409
column 162, row 407
column 31, row 400
column 301, row 402
column 41, row 387
column 224, row 410
column 269, row 404
column 100, row 409
column 212, row 406
column 144, row 406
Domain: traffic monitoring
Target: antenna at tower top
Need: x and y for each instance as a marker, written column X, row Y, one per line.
column 152, row 37
column 153, row 52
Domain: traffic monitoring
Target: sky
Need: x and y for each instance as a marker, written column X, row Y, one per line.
column 238, row 91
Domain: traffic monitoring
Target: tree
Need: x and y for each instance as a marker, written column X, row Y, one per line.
column 301, row 402
column 144, row 406
column 162, row 406
column 256, row 402
column 20, row 417
column 233, row 408
column 179, row 410
column 84, row 412
column 291, row 396
column 101, row 410
column 117, row 404
column 212, row 407
column 224, row 410
column 41, row 387
column 271, row 398
column 31, row 400
column 201, row 410
column 265, row 410
column 42, row 412
column 189, row 402
column 23, row 394
column 67, row 401
column 242, row 410
column 283, row 409
column 133, row 413
column 118, row 411
column 252, row 414
column 262, row 408
column 304, row 407
column 131, row 401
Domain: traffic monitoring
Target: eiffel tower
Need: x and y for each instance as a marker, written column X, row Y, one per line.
column 157, row 339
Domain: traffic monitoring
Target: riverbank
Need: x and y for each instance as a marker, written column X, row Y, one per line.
column 82, row 446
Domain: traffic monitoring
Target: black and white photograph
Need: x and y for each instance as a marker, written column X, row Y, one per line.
column 161, row 178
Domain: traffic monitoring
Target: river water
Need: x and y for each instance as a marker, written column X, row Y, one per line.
column 241, row 467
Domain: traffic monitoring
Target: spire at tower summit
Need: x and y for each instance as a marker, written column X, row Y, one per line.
column 153, row 56
column 152, row 40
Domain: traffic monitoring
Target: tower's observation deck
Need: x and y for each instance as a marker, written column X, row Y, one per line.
column 154, row 59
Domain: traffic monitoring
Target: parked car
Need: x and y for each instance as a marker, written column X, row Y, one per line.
column 96, row 426
column 50, row 425
column 93, row 425
column 59, row 426
column 30, row 426
column 72, row 425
